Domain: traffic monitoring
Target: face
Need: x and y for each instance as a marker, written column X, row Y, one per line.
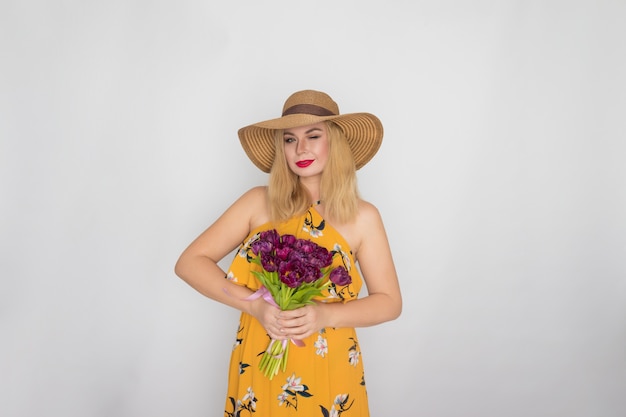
column 306, row 149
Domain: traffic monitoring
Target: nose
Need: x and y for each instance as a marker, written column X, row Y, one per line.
column 301, row 146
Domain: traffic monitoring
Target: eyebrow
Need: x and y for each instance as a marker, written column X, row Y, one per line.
column 286, row 132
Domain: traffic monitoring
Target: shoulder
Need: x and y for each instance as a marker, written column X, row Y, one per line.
column 367, row 209
column 368, row 213
column 370, row 230
column 251, row 198
column 246, row 213
column 256, row 194
column 248, row 206
column 254, row 204
column 367, row 224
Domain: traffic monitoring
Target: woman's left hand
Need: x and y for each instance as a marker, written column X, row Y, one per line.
column 302, row 322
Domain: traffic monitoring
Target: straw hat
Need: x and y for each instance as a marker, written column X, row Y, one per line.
column 364, row 131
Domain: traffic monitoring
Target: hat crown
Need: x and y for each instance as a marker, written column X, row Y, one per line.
column 310, row 102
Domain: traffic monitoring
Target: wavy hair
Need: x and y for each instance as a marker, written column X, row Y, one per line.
column 338, row 189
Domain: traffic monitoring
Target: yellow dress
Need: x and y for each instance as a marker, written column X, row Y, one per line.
column 323, row 378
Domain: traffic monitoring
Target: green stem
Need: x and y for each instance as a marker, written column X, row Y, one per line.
column 286, row 356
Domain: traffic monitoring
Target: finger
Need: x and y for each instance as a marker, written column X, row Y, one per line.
column 300, row 334
column 293, row 323
column 299, row 312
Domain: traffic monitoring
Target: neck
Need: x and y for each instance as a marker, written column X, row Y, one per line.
column 313, row 190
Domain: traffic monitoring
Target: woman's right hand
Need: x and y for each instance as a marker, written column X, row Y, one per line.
column 268, row 316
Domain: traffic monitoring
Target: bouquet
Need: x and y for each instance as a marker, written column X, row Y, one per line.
column 294, row 271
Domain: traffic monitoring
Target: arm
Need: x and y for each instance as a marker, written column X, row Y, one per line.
column 197, row 265
column 383, row 302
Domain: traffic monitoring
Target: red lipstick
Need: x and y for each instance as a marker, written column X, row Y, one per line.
column 304, row 163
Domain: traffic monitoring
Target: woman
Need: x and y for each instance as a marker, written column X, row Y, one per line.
column 312, row 153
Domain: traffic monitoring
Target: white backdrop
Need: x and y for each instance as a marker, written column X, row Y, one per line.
column 501, row 180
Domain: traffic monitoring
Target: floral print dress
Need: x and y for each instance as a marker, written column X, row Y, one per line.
column 324, row 377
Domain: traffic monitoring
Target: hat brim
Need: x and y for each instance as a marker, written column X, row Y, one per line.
column 363, row 131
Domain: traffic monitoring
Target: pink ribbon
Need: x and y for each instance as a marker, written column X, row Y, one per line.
column 264, row 293
column 280, row 355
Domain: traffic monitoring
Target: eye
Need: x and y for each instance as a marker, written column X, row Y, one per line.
column 314, row 137
column 289, row 139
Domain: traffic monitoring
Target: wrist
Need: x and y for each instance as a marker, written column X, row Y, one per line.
column 328, row 314
column 254, row 307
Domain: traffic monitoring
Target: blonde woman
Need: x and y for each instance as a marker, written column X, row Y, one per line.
column 312, row 153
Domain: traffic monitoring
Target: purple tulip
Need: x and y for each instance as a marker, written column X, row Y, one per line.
column 339, row 276
column 283, row 252
column 288, row 240
column 306, row 246
column 269, row 262
column 311, row 274
column 261, row 246
column 291, row 274
column 270, row 236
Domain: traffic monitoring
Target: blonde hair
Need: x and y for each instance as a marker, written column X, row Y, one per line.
column 338, row 189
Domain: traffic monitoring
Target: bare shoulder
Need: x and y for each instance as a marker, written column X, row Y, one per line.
column 247, row 209
column 256, row 194
column 247, row 212
column 370, row 231
column 367, row 223
column 368, row 213
column 254, row 203
column 251, row 198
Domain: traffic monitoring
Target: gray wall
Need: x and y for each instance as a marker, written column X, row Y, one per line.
column 501, row 180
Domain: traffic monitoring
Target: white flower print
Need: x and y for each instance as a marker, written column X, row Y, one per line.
column 344, row 256
column 292, row 391
column 243, row 250
column 231, row 277
column 339, row 406
column 354, row 357
column 282, row 398
column 312, row 231
column 250, row 397
column 321, row 346
column 332, row 293
column 340, row 399
column 293, row 384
